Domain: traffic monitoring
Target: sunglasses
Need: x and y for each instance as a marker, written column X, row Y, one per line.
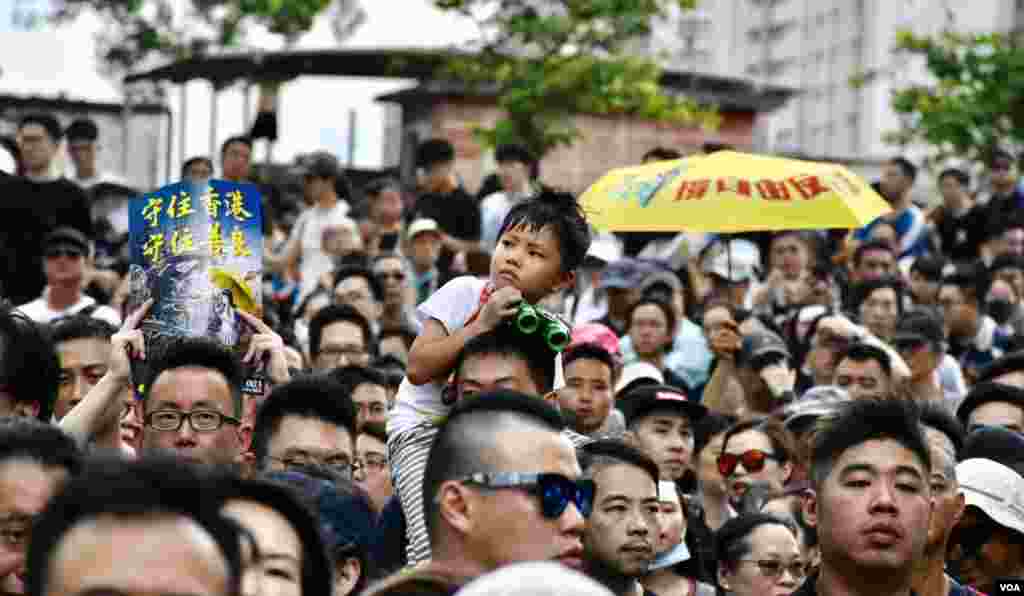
column 554, row 490
column 753, row 461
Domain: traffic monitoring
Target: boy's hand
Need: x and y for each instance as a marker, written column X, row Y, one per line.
column 503, row 304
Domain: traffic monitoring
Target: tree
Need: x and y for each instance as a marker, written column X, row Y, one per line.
column 137, row 31
column 975, row 102
column 547, row 61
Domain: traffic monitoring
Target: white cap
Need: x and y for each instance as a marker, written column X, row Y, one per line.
column 638, row 370
column 739, row 262
column 995, row 489
column 605, row 247
column 667, row 492
column 424, row 224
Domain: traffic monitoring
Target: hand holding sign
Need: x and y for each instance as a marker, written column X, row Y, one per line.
column 266, row 345
column 128, row 343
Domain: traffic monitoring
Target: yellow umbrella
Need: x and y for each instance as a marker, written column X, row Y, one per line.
column 731, row 192
column 240, row 291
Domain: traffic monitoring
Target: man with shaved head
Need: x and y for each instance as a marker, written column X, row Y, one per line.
column 501, row 485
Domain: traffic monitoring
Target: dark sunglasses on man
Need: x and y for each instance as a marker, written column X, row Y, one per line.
column 555, row 491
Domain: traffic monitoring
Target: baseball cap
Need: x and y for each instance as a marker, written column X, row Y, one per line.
column 421, row 225
column 988, row 392
column 995, row 489
column 322, row 165
column 997, row 444
column 738, row 261
column 813, row 404
column 918, row 326
column 662, row 278
column 756, row 346
column 67, row 238
column 598, row 334
column 643, row 400
column 638, row 372
column 623, row 274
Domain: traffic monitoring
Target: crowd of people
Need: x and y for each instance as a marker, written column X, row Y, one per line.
column 792, row 412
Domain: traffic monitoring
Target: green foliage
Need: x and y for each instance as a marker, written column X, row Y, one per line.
column 138, row 30
column 551, row 60
column 974, row 103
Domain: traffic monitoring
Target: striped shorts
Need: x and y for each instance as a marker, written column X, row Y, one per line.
column 407, row 453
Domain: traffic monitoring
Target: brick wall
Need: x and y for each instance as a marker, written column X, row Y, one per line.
column 608, row 142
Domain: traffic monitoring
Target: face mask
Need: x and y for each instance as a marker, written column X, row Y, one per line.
column 1001, row 310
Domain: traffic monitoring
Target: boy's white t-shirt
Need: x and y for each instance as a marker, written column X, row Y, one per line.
column 451, row 305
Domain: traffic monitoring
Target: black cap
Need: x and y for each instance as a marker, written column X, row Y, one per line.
column 67, row 238
column 997, row 444
column 988, row 392
column 762, row 343
column 647, row 398
column 919, row 326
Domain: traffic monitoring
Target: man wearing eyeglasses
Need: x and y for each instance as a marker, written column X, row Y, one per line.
column 303, row 422
column 398, row 310
column 192, row 406
column 501, row 485
column 621, row 534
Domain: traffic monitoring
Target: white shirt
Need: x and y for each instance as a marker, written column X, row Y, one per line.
column 314, row 261
column 451, row 306
column 39, row 310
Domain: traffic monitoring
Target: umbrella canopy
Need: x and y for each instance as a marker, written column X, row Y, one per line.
column 730, row 192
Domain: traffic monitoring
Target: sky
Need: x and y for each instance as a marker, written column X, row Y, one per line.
column 313, row 112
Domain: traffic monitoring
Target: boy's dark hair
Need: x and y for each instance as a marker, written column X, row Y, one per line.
column 38, row 441
column 506, row 342
column 80, row 327
column 937, row 416
column 708, row 427
column 661, row 154
column 347, row 271
column 464, row 440
column 334, row 313
column 957, row 174
column 377, row 430
column 973, row 281
column 136, row 490
column 783, row 443
column 434, row 151
column 867, row 245
column 284, row 499
column 319, row 397
column 862, row 352
column 512, row 152
column 244, row 140
column 568, row 223
column 859, row 421
column 203, row 353
column 82, row 129
column 909, row 170
column 351, row 377
column 600, row 454
column 194, row 160
column 29, row 367
column 588, row 351
column 732, row 539
column 49, row 123
column 864, row 289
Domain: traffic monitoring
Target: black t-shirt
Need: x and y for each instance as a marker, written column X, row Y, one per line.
column 457, row 214
column 30, row 210
column 961, row 235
